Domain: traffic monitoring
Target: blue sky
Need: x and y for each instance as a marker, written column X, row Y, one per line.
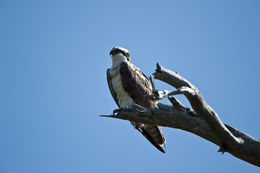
column 53, row 60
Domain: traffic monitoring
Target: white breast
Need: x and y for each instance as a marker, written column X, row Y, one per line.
column 123, row 98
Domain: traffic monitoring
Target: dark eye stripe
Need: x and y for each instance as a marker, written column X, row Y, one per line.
column 116, row 51
column 120, row 51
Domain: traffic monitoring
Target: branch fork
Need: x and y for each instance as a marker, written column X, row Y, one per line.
column 201, row 120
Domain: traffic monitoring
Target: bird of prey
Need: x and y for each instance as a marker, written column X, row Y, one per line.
column 129, row 86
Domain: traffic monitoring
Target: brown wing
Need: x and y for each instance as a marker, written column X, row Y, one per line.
column 138, row 86
column 113, row 93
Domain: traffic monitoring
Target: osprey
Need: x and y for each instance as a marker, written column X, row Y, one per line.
column 128, row 86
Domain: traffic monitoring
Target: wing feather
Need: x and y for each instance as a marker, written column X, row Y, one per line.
column 137, row 85
column 112, row 91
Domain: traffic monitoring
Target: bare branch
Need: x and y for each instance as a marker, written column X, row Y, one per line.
column 177, row 104
column 168, row 117
column 203, row 121
column 170, row 77
column 229, row 141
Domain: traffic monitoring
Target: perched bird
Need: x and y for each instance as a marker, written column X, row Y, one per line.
column 129, row 86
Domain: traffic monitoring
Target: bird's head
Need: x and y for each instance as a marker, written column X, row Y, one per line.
column 119, row 52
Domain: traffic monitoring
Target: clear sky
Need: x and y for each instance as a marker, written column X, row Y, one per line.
column 53, row 61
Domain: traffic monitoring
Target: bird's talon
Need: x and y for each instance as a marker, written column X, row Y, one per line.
column 116, row 111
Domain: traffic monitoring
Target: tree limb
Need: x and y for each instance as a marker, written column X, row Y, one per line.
column 203, row 121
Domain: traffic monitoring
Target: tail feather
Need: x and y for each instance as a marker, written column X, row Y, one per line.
column 151, row 133
column 155, row 133
column 148, row 135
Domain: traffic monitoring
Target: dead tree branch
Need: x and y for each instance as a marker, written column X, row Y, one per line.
column 202, row 121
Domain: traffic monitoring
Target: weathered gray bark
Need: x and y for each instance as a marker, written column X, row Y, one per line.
column 202, row 121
